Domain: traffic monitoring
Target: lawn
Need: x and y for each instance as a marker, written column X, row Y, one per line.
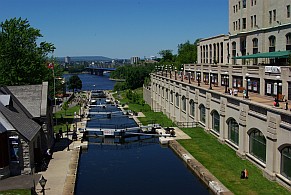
column 15, row 192
column 224, row 164
column 65, row 116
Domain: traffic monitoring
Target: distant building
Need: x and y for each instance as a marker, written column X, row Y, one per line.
column 67, row 60
column 134, row 60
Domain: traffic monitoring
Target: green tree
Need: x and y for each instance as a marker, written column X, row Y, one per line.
column 74, row 83
column 22, row 60
column 167, row 55
column 65, row 107
column 187, row 53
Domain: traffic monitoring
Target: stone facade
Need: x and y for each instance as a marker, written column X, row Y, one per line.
column 212, row 108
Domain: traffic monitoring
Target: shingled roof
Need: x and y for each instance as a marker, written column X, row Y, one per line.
column 24, row 125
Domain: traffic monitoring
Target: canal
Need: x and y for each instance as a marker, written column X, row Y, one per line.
column 134, row 165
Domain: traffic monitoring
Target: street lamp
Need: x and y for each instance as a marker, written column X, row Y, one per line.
column 182, row 73
column 247, row 85
column 67, row 124
column 171, row 71
column 175, row 73
column 225, row 83
column 198, row 77
column 189, row 76
column 42, row 183
column 278, row 84
column 210, row 80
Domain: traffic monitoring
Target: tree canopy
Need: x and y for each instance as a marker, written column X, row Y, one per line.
column 74, row 83
column 22, row 60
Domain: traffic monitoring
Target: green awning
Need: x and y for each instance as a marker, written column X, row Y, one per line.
column 275, row 54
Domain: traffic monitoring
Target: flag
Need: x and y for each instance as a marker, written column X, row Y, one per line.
column 51, row 65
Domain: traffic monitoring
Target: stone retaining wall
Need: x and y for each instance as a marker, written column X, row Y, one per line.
column 207, row 178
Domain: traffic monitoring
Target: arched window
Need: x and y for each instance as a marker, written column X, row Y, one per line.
column 202, row 114
column 288, row 41
column 167, row 94
column 184, row 103
column 216, row 121
column 177, row 99
column 258, row 145
column 163, row 92
column 233, row 134
column 272, row 43
column 286, row 162
column 192, row 108
column 255, row 49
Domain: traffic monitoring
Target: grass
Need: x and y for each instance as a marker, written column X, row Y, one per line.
column 63, row 117
column 224, row 164
column 15, row 192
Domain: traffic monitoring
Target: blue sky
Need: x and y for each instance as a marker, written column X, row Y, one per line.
column 120, row 28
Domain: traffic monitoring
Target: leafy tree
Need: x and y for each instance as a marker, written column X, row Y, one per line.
column 74, row 83
column 22, row 60
column 187, row 53
column 65, row 107
column 167, row 55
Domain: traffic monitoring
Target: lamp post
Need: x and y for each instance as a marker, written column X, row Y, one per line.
column 210, row 80
column 198, row 77
column 189, row 76
column 42, row 183
column 171, row 71
column 278, row 84
column 182, row 73
column 175, row 73
column 225, row 83
column 68, row 144
column 247, row 85
column 166, row 71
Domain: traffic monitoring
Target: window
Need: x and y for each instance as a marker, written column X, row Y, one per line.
column 233, row 9
column 286, row 162
column 202, row 114
column 288, row 11
column 255, row 20
column 270, row 17
column 167, row 94
column 274, row 15
column 244, row 3
column 172, row 96
column 184, row 103
column 192, row 108
column 233, row 26
column 236, row 8
column 252, row 2
column 255, row 50
column 239, row 24
column 244, row 23
column 177, row 99
column 288, row 41
column 255, row 2
column 236, row 25
column 258, row 145
column 239, row 5
column 272, row 43
column 252, row 21
column 233, row 133
column 216, row 121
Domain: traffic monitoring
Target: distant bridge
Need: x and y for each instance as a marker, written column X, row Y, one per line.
column 98, row 70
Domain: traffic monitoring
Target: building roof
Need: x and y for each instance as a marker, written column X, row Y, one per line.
column 32, row 97
column 275, row 54
column 2, row 128
column 24, row 125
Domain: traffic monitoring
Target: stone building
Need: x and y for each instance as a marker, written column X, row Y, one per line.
column 252, row 56
column 25, row 121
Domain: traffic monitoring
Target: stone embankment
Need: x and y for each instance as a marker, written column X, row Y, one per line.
column 208, row 179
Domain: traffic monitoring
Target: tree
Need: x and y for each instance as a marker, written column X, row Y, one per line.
column 187, row 52
column 65, row 107
column 22, row 60
column 74, row 83
column 167, row 55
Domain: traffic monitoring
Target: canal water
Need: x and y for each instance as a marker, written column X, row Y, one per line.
column 129, row 166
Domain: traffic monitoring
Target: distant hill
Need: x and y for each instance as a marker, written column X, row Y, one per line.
column 85, row 58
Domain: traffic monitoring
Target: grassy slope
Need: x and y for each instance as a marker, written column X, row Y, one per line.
column 223, row 162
